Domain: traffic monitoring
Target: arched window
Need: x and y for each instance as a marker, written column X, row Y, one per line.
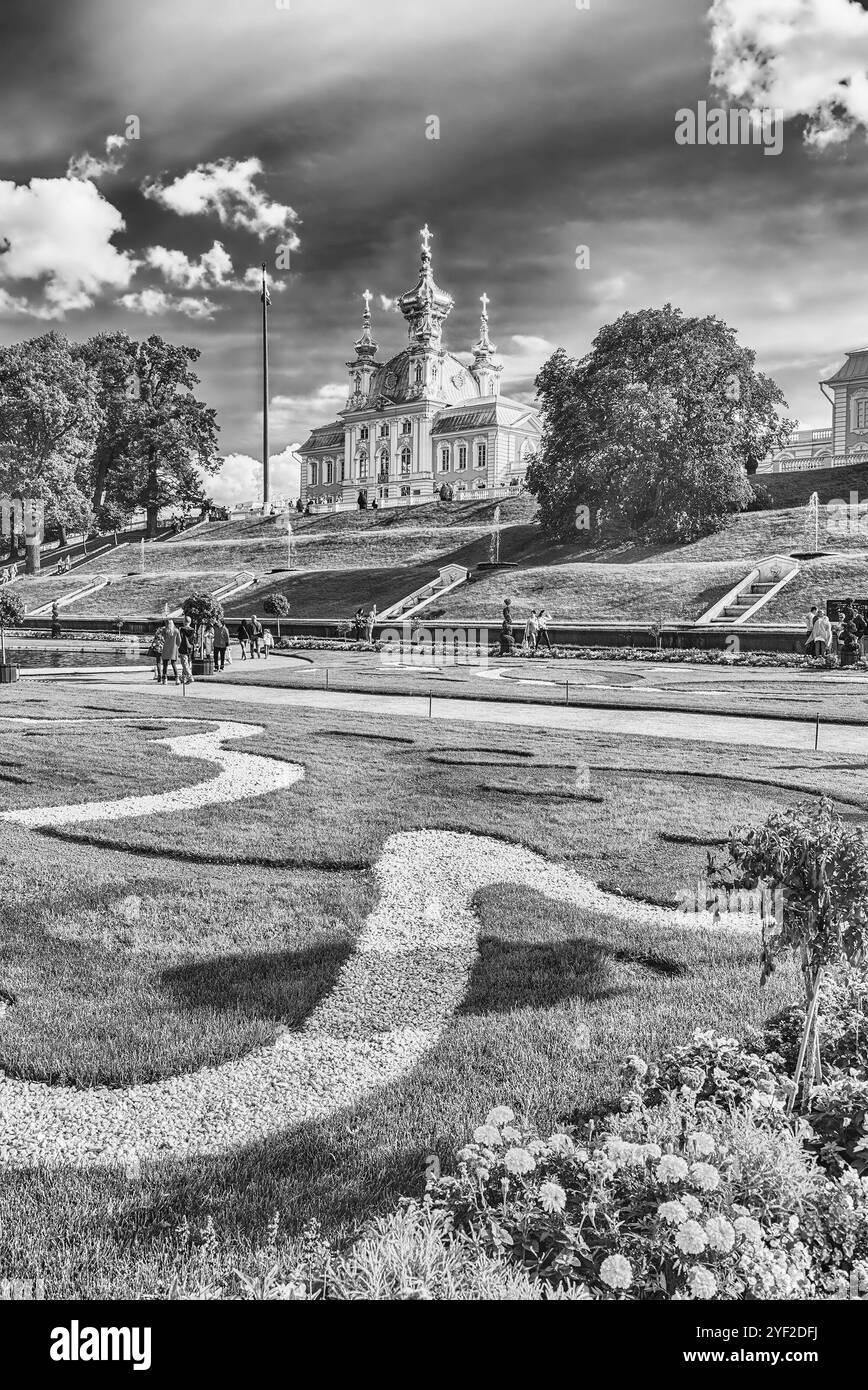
column 406, row 427
column 384, row 461
column 362, row 460
column 444, row 458
column 384, row 430
column 363, row 432
column 329, row 470
column 481, row 454
column 314, row 475
column 418, row 374
column 406, row 456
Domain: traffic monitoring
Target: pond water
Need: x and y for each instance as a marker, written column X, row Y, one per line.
column 33, row 658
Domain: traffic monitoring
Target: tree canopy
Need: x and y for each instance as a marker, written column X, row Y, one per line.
column 656, row 429
column 98, row 429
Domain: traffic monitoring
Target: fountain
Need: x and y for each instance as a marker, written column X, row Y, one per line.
column 494, row 552
column 811, row 529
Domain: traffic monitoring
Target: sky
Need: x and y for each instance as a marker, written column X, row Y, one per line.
column 152, row 156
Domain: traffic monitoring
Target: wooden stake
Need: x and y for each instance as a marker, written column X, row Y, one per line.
column 817, row 734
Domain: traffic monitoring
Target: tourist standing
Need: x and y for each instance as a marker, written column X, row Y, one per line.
column 812, row 619
column 156, row 650
column 359, row 623
column 542, row 625
column 821, row 636
column 169, row 654
column 186, row 638
column 267, row 642
column 531, row 631
column 221, row 644
column 243, row 635
column 255, row 636
column 369, row 625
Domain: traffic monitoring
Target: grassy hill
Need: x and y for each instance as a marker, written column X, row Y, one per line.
column 794, row 489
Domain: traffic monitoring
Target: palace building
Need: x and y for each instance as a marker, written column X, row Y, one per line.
column 422, row 419
column 846, row 440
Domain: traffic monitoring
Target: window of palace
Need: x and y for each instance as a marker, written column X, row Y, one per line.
column 417, row 376
column 860, row 414
column 363, row 464
column 405, row 492
column 526, row 450
column 406, row 457
column 406, row 427
column 444, row 458
column 329, row 470
column 363, row 432
column 314, row 475
column 384, row 461
column 462, row 455
column 384, row 430
column 343, row 469
column 481, row 455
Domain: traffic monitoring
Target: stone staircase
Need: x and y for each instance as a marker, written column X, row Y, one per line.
column 752, row 593
column 745, row 601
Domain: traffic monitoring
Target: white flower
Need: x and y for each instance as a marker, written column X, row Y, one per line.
column 721, row 1235
column 561, row 1143
column 552, row 1196
column 518, row 1161
column 617, row 1272
column 691, row 1238
column 500, row 1115
column 510, row 1134
column 793, row 1225
column 673, row 1212
column 652, row 1150
column 702, row 1283
column 486, row 1134
column 693, row 1204
column 705, row 1176
column 671, row 1168
column 702, row 1142
column 638, row 1065
column 748, row 1228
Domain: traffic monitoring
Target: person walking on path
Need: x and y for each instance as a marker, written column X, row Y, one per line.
column 542, row 626
column 531, row 632
column 255, row 636
column 821, row 636
column 156, row 650
column 369, row 625
column 169, row 654
column 267, row 642
column 186, row 641
column 243, row 635
column 221, row 643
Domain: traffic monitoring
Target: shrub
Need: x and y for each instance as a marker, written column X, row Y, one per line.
column 277, row 605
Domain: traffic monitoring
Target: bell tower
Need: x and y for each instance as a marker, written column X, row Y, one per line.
column 364, row 365
column 425, row 308
column 486, row 367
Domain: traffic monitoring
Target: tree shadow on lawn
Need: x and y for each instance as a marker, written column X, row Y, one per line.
column 511, row 975
column 284, row 986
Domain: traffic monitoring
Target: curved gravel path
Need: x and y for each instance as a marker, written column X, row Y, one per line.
column 389, row 1005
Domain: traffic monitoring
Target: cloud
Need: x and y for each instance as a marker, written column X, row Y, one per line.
column 60, row 233
column 252, row 280
column 240, row 478
column 805, row 57
column 88, row 166
column 153, row 302
column 227, row 187
column 388, row 304
column 212, row 270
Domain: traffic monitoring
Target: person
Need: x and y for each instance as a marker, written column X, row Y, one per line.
column 55, row 621
column 375, row 506
column 156, row 650
column 299, row 506
column 208, row 641
column 186, row 638
column 267, row 642
column 221, row 643
column 307, row 510
column 531, row 631
column 243, row 635
column 821, row 636
column 809, row 638
column 369, row 624
column 255, row 636
column 542, row 623
column 169, row 653
column 359, row 623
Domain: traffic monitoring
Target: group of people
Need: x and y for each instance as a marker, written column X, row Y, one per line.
column 175, row 645
column 844, row 640
column 363, row 626
column 536, row 631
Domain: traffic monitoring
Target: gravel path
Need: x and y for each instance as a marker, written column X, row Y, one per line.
column 389, row 1005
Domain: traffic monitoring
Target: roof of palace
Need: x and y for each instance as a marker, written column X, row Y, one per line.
column 392, row 381
column 495, row 410
column 854, row 369
column 325, row 437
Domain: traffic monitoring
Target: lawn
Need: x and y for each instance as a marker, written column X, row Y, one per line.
column 141, row 949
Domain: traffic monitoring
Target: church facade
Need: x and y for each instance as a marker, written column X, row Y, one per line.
column 422, row 420
column 846, row 440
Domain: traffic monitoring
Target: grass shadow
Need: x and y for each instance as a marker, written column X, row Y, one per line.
column 284, row 987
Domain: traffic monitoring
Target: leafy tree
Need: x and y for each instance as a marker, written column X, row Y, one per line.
column 278, row 605
column 11, row 615
column 50, row 413
column 172, row 435
column 202, row 608
column 655, row 428
column 818, row 867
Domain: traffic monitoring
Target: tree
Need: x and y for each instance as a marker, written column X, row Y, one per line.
column 201, row 609
column 49, row 417
column 11, row 615
column 172, row 435
column 818, row 867
column 654, row 429
column 279, row 606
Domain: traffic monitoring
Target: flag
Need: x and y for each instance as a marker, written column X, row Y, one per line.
column 265, row 297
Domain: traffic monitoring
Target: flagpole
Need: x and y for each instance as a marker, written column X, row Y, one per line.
column 265, row 487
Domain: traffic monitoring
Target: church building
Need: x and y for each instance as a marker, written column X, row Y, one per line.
column 422, row 420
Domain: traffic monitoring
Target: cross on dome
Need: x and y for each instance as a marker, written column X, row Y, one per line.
column 484, row 301
column 367, row 297
column 426, row 235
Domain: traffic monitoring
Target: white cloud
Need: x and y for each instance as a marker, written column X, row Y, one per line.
column 152, row 302
column 211, row 271
column 388, row 304
column 805, row 57
column 524, row 357
column 227, row 187
column 240, row 478
column 88, row 166
column 252, row 280
column 60, row 233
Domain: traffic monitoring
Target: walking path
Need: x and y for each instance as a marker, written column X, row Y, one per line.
column 389, row 1005
column 740, row 730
